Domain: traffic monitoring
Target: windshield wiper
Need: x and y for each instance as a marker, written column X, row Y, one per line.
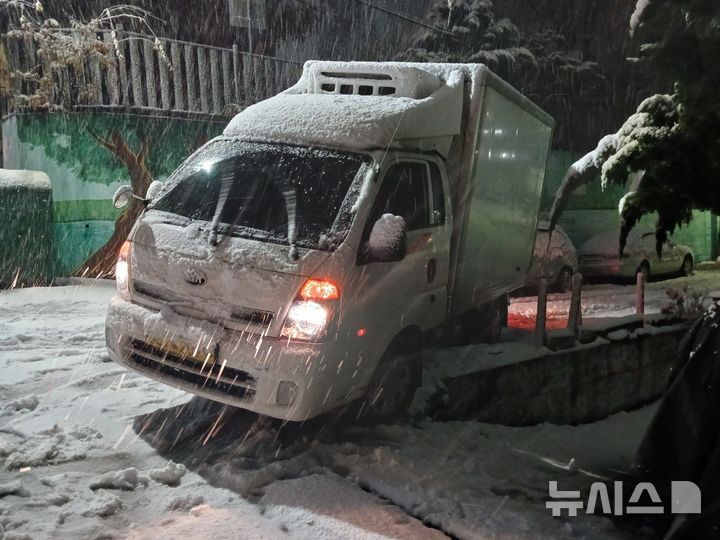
column 225, row 184
column 291, row 208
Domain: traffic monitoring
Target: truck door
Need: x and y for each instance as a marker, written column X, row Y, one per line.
column 414, row 288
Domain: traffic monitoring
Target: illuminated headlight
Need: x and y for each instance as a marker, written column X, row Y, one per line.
column 121, row 271
column 305, row 320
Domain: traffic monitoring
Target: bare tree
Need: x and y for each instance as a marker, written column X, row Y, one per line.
column 69, row 46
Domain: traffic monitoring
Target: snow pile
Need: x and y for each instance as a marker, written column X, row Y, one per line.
column 13, row 488
column 126, row 479
column 185, row 503
column 6, row 447
column 24, row 179
column 104, row 506
column 169, row 475
column 33, row 457
column 26, row 402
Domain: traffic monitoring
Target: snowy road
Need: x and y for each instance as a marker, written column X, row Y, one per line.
column 610, row 300
column 85, row 446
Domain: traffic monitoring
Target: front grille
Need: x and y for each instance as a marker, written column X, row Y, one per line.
column 252, row 316
column 231, row 382
column 158, row 293
column 240, row 314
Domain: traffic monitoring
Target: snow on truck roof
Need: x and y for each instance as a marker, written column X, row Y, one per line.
column 367, row 106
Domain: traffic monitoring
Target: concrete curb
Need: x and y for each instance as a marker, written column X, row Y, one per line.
column 579, row 385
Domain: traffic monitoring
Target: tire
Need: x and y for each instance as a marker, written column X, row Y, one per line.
column 392, row 387
column 686, row 269
column 563, row 283
column 644, row 268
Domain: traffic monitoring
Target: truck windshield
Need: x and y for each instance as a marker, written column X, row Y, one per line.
column 278, row 193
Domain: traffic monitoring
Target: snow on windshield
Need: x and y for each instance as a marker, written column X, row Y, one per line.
column 278, row 193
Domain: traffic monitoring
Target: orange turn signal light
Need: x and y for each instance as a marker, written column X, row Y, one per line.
column 319, row 289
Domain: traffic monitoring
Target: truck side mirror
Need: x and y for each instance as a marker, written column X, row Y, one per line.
column 122, row 196
column 387, row 240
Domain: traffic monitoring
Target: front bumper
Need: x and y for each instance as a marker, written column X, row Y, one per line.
column 287, row 380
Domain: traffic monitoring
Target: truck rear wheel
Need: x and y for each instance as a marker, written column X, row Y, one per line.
column 393, row 385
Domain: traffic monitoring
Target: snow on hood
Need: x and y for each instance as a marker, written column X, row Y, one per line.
column 161, row 232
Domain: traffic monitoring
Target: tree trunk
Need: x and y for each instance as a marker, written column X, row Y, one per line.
column 102, row 262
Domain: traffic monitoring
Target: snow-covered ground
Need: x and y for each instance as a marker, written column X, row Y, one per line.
column 88, row 450
column 602, row 300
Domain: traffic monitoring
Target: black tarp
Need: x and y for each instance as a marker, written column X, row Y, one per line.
column 683, row 439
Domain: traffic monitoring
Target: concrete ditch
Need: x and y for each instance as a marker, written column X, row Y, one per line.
column 516, row 384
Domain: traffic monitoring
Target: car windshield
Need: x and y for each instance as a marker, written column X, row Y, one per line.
column 278, row 193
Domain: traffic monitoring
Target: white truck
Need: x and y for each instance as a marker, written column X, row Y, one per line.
column 295, row 264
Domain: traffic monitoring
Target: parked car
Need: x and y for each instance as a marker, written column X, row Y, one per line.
column 294, row 264
column 598, row 256
column 556, row 262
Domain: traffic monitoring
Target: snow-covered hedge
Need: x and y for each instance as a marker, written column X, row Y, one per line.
column 26, row 233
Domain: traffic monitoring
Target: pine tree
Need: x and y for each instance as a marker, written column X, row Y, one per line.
column 673, row 140
column 467, row 31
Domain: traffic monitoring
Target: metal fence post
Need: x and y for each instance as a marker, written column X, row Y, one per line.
column 640, row 294
column 575, row 315
column 541, row 317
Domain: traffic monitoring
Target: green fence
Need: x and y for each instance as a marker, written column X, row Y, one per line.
column 26, row 234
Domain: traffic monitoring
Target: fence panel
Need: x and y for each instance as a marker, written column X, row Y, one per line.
column 149, row 59
column 163, row 70
column 176, row 75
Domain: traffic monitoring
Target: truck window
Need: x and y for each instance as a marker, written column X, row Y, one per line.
column 405, row 192
column 437, row 215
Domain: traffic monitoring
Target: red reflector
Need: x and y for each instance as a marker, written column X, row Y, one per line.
column 361, row 332
column 319, row 289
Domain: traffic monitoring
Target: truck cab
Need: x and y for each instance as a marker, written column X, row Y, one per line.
column 293, row 265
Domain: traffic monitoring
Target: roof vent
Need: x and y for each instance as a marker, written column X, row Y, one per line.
column 345, row 78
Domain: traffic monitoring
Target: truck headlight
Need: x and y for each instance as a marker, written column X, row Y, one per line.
column 305, row 320
column 121, row 271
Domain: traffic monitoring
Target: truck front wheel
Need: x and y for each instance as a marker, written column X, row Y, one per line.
column 393, row 385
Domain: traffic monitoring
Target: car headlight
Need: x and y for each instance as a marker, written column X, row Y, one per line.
column 305, row 320
column 309, row 315
column 122, row 272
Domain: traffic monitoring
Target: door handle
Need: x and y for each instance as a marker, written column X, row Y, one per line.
column 431, row 270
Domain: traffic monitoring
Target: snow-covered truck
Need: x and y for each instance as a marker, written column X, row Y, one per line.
column 296, row 263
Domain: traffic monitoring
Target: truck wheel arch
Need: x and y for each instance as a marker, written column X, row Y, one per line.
column 404, row 352
column 407, row 340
